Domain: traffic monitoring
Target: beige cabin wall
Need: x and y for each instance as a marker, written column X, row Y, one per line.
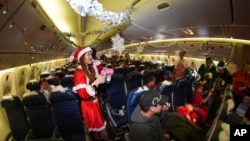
column 13, row 81
column 170, row 60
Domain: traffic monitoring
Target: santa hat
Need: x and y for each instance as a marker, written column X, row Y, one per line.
column 80, row 51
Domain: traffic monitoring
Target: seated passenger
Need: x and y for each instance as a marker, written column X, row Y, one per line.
column 168, row 78
column 45, row 89
column 145, row 124
column 198, row 103
column 150, row 82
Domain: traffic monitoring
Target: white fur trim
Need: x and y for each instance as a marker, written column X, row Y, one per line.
column 90, row 90
column 98, row 129
column 79, row 86
column 87, row 49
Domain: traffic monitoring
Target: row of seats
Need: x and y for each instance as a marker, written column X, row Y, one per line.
column 33, row 118
column 121, row 101
column 179, row 93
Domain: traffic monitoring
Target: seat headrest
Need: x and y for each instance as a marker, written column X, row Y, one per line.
column 134, row 75
column 117, row 77
column 58, row 96
column 44, row 74
column 181, row 83
column 33, row 85
column 11, row 101
column 52, row 80
column 67, row 82
column 33, row 99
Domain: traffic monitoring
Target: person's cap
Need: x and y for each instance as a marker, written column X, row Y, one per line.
column 167, row 73
column 152, row 98
column 80, row 51
column 221, row 64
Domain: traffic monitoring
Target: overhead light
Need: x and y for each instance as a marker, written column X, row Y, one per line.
column 163, row 6
column 188, row 31
column 24, row 29
column 5, row 12
column 11, row 25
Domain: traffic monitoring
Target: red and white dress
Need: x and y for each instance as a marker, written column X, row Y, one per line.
column 90, row 107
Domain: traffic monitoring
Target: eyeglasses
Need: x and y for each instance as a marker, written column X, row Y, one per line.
column 156, row 100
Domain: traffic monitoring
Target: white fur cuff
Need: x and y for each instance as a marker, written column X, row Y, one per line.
column 90, row 90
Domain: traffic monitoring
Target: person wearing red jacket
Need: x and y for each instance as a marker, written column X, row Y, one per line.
column 86, row 80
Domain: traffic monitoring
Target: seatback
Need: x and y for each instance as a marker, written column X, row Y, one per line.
column 52, row 80
column 179, row 96
column 40, row 115
column 116, row 90
column 16, row 116
column 133, row 80
column 159, row 76
column 168, row 90
column 67, row 115
column 67, row 81
column 116, row 103
column 146, row 74
column 130, row 68
column 190, row 92
column 120, row 70
column 133, row 100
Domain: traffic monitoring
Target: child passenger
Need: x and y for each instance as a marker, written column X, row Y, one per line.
column 198, row 103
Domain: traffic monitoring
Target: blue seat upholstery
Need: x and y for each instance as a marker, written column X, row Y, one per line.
column 130, row 68
column 16, row 116
column 40, row 115
column 133, row 100
column 67, row 81
column 190, row 92
column 52, row 80
column 133, row 80
column 121, row 70
column 116, row 103
column 168, row 90
column 179, row 96
column 67, row 115
column 159, row 76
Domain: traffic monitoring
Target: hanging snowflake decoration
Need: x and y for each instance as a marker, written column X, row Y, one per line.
column 118, row 43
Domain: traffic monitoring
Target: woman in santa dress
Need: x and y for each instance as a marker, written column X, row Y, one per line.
column 86, row 80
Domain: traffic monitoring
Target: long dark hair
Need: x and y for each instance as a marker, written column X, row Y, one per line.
column 87, row 69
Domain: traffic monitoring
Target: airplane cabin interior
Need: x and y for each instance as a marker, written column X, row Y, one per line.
column 39, row 37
